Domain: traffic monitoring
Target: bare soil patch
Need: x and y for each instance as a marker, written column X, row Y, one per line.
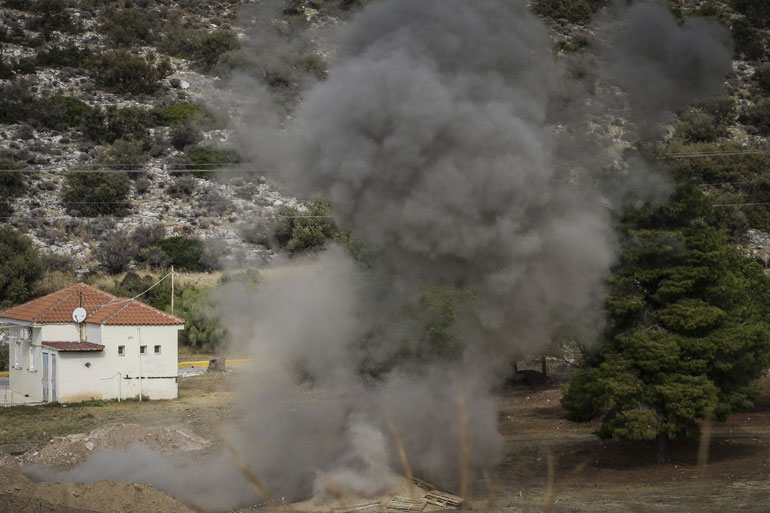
column 69, row 450
column 103, row 497
column 549, row 463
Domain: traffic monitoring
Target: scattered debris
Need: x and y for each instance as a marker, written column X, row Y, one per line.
column 68, row 450
column 405, row 504
column 217, row 365
column 442, row 499
column 359, row 507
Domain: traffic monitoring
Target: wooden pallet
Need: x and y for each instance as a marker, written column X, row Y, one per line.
column 405, row 505
column 442, row 500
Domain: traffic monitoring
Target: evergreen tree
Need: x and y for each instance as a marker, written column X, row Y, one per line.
column 20, row 267
column 686, row 337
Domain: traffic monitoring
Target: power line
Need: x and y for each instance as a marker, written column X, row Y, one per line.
column 741, row 204
column 716, row 154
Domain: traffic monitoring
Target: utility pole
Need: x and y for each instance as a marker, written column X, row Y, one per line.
column 172, row 290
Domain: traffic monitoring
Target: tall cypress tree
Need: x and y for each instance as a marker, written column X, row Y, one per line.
column 686, row 337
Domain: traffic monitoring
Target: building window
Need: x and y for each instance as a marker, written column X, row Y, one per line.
column 157, row 349
column 121, row 350
column 142, row 349
column 17, row 354
column 31, row 357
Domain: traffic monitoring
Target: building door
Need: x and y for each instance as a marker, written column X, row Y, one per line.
column 54, row 395
column 45, row 377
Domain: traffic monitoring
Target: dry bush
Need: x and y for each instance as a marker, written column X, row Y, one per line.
column 115, row 253
column 182, row 186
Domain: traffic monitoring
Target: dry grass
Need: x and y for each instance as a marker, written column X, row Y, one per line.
column 203, row 400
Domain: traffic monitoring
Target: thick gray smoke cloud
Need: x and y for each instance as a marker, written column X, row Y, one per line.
column 664, row 66
column 429, row 139
column 433, row 139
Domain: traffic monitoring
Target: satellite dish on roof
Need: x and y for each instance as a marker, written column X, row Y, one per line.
column 79, row 314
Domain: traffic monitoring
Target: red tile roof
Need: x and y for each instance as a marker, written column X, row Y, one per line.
column 74, row 346
column 102, row 308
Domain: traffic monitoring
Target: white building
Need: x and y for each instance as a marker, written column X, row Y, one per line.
column 123, row 347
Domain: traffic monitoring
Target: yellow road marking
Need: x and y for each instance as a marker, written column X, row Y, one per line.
column 236, row 362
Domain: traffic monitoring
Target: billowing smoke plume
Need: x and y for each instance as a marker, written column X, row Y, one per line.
column 433, row 139
column 429, row 139
column 665, row 66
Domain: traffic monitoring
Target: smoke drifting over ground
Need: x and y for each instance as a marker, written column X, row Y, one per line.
column 432, row 138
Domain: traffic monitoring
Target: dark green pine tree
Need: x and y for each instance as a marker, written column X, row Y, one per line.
column 686, row 337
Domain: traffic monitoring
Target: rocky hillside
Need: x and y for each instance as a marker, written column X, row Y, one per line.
column 142, row 91
column 117, row 118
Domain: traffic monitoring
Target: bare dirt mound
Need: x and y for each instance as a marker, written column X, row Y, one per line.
column 101, row 497
column 70, row 450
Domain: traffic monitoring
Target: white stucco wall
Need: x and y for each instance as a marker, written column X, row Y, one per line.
column 78, row 381
column 110, row 375
column 93, row 333
column 61, row 332
column 26, row 363
column 157, row 371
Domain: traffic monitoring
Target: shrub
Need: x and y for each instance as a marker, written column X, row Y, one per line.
column 309, row 63
column 125, row 155
column 117, row 123
column 302, row 231
column 53, row 16
column 189, row 114
column 186, row 254
column 20, row 267
column 16, row 104
column 6, row 71
column 204, row 158
column 147, row 235
column 203, row 48
column 183, row 136
column 4, row 356
column 183, row 185
column 25, row 66
column 121, row 72
column 133, row 284
column 54, row 262
column 759, row 116
column 748, row 43
column 259, row 232
column 153, row 257
column 142, row 185
column 59, row 112
column 93, row 194
column 11, row 185
column 213, row 201
column 576, row 11
column 116, row 252
column 180, row 114
column 60, row 57
column 201, row 330
column 707, row 9
column 762, row 76
column 722, row 109
column 756, row 11
column 697, row 126
column 126, row 27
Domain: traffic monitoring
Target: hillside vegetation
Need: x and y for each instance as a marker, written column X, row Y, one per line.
column 116, row 129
